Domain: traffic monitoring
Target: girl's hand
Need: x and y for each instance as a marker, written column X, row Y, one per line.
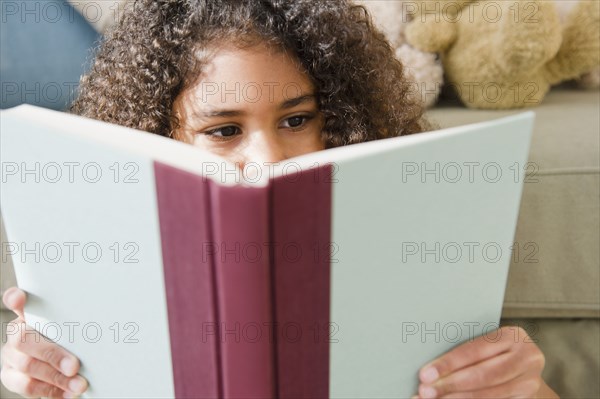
column 506, row 365
column 32, row 365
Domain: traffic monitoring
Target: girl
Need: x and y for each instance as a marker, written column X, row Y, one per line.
column 262, row 81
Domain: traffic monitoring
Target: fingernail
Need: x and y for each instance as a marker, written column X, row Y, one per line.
column 77, row 385
column 429, row 375
column 67, row 366
column 427, row 392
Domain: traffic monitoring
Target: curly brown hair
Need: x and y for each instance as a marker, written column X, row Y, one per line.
column 147, row 59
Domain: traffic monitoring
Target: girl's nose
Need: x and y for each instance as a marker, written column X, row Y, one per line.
column 264, row 148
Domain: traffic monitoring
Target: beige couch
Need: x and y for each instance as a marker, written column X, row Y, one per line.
column 554, row 282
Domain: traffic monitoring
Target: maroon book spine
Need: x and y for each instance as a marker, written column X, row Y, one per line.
column 242, row 265
column 184, row 215
column 301, row 231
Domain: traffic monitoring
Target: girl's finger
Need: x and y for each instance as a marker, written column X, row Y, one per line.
column 30, row 342
column 481, row 348
column 525, row 386
column 15, row 299
column 24, row 385
column 491, row 372
column 42, row 371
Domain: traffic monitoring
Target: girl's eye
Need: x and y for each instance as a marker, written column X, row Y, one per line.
column 225, row 131
column 297, row 121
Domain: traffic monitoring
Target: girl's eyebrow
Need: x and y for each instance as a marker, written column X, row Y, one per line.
column 292, row 102
column 227, row 113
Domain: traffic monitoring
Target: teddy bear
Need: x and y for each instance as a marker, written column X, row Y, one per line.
column 507, row 54
column 423, row 68
column 589, row 80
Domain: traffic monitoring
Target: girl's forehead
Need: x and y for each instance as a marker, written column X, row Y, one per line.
column 250, row 75
column 257, row 63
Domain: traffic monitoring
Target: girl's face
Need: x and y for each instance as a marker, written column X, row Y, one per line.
column 251, row 105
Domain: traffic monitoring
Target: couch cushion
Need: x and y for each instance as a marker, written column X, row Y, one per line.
column 555, row 269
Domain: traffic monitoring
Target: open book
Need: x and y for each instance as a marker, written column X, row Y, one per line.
column 340, row 273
